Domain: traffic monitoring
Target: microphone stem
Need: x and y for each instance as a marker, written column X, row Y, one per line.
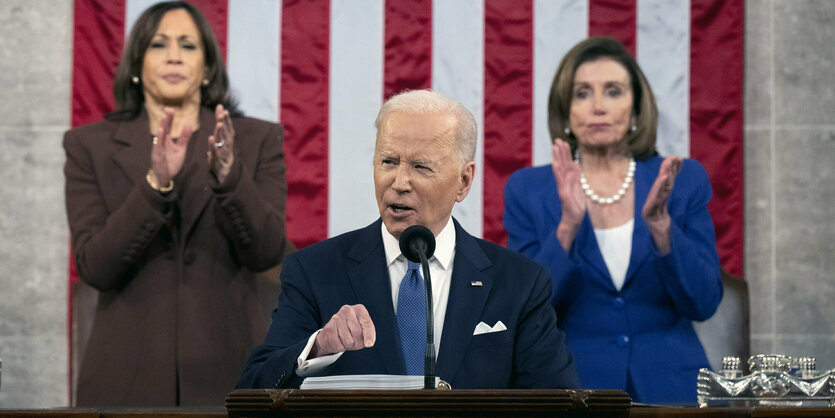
column 429, row 359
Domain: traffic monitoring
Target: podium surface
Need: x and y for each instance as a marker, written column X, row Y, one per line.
column 515, row 403
column 295, row 402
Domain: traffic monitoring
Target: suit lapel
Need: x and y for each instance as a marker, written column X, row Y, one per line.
column 134, row 157
column 588, row 249
column 585, row 241
column 640, row 235
column 194, row 175
column 192, row 181
column 366, row 260
column 466, row 302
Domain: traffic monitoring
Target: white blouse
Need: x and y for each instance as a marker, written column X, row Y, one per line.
column 616, row 246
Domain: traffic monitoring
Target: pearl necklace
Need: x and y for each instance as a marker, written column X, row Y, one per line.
column 607, row 200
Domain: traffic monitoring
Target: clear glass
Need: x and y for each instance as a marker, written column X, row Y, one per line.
column 774, row 380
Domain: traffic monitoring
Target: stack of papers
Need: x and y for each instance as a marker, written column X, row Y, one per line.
column 365, row 381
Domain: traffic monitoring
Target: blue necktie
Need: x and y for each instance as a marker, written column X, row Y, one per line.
column 411, row 319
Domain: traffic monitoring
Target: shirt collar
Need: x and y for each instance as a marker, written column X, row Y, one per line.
column 444, row 246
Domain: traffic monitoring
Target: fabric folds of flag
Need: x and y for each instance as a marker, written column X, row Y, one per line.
column 324, row 67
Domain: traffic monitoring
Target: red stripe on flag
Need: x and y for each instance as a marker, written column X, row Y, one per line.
column 615, row 19
column 508, row 92
column 305, row 43
column 216, row 12
column 716, row 42
column 98, row 34
column 408, row 46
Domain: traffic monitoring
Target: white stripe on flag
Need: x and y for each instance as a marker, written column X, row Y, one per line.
column 356, row 94
column 558, row 25
column 356, row 80
column 253, row 59
column 134, row 8
column 458, row 72
column 664, row 55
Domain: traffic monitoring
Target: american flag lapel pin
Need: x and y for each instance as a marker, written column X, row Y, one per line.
column 475, row 283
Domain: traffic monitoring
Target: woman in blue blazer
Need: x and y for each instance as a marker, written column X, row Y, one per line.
column 626, row 234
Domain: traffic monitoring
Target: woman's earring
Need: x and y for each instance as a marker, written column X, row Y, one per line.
column 205, row 82
column 634, row 128
column 134, row 80
column 567, row 131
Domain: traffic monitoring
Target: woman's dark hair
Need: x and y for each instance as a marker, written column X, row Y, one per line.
column 130, row 97
column 641, row 142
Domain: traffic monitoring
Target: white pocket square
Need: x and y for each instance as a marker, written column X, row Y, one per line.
column 483, row 328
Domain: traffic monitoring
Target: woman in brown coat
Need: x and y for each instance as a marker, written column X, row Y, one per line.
column 173, row 202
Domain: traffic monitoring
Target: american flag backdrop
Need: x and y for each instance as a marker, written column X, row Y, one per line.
column 323, row 68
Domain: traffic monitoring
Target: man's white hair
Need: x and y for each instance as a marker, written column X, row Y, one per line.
column 427, row 101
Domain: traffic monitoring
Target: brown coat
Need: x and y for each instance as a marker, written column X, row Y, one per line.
column 177, row 314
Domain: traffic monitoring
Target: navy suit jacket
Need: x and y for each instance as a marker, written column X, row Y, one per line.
column 643, row 333
column 351, row 269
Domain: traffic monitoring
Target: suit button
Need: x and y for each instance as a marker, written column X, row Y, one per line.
column 189, row 256
column 618, row 303
column 623, row 341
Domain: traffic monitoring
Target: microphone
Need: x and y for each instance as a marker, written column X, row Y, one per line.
column 418, row 244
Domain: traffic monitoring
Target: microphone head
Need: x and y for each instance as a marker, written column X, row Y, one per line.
column 416, row 239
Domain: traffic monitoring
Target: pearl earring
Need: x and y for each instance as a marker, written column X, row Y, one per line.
column 205, row 82
column 134, row 80
column 567, row 131
column 634, row 128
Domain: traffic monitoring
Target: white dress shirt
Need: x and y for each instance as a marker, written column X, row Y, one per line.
column 440, row 269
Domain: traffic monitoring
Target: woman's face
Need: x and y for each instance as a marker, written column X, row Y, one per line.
column 601, row 103
column 173, row 67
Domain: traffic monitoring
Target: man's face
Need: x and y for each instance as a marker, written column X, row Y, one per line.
column 418, row 175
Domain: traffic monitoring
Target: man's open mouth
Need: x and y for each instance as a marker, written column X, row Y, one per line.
column 399, row 208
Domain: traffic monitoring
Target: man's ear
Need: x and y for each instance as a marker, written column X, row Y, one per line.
column 467, row 174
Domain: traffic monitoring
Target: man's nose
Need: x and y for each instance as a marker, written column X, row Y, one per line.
column 402, row 179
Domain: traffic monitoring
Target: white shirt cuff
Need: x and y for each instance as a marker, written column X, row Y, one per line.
column 315, row 366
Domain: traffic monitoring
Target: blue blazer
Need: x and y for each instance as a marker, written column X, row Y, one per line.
column 351, row 269
column 640, row 338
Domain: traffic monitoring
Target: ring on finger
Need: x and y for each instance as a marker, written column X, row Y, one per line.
column 220, row 143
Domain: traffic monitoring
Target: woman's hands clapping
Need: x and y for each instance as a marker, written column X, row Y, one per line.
column 654, row 211
column 567, row 174
column 221, row 152
column 168, row 153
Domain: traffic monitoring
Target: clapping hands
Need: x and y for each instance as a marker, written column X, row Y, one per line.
column 167, row 153
column 221, row 153
column 567, row 175
column 654, row 211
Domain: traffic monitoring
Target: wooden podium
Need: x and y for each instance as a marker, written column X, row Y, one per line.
column 512, row 402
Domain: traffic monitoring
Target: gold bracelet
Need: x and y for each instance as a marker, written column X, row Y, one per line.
column 156, row 187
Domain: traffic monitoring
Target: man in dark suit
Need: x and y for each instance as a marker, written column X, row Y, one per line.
column 346, row 305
